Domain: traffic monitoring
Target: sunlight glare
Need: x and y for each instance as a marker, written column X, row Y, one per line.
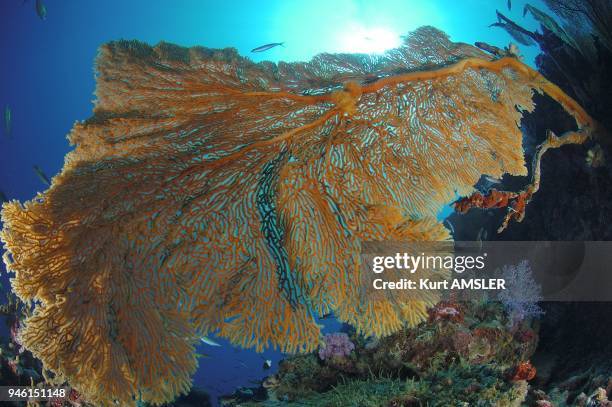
column 368, row 40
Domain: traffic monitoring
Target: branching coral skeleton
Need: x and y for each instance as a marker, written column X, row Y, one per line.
column 516, row 202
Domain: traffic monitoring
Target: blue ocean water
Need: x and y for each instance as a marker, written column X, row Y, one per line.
column 47, row 77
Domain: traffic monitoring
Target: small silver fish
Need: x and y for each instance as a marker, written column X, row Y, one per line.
column 491, row 49
column 41, row 175
column 267, row 46
column 209, row 341
column 41, row 10
column 267, row 364
column 8, row 119
column 491, row 180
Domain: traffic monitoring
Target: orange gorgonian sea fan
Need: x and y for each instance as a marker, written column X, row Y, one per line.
column 211, row 194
